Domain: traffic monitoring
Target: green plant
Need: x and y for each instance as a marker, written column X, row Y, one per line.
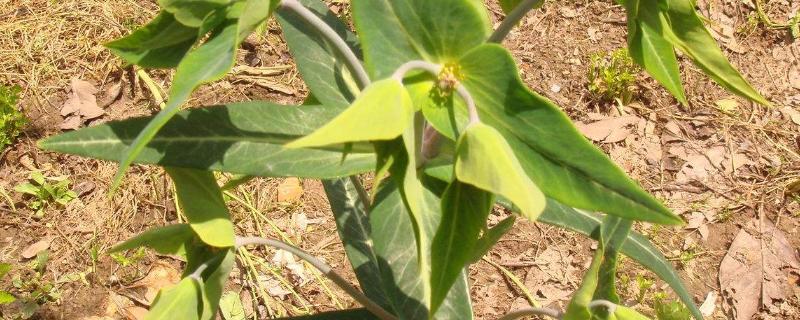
column 44, row 193
column 612, row 76
column 32, row 288
column 436, row 110
column 667, row 309
column 11, row 119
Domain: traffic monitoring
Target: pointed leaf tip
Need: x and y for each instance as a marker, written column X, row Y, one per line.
column 485, row 159
column 381, row 112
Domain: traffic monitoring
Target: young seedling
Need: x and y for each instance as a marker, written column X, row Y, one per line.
column 46, row 192
column 612, row 76
column 11, row 119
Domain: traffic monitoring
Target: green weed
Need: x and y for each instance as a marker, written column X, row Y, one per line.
column 11, row 120
column 667, row 309
column 46, row 192
column 612, row 76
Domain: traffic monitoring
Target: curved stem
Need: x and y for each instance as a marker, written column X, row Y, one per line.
column 512, row 19
column 350, row 58
column 362, row 192
column 610, row 306
column 322, row 267
column 532, row 312
column 435, row 70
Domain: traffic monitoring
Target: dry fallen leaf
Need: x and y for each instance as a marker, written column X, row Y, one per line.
column 754, row 273
column 161, row 275
column 609, row 130
column 709, row 305
column 81, row 105
column 290, row 190
column 134, row 313
column 34, row 249
column 791, row 114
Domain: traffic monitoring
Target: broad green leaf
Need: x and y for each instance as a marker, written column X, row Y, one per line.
column 162, row 43
column 230, row 305
column 651, row 50
column 397, row 31
column 354, row 228
column 393, row 238
column 464, row 212
column 322, row 70
column 491, row 236
column 381, row 112
column 578, row 308
column 447, row 114
column 210, row 62
column 214, row 279
column 202, row 203
column 625, row 313
column 245, row 138
column 179, row 302
column 27, row 188
column 689, row 35
column 192, row 12
column 485, row 160
column 352, row 314
column 562, row 163
column 171, row 239
column 6, row 297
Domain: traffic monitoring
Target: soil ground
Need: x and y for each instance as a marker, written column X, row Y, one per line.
column 718, row 167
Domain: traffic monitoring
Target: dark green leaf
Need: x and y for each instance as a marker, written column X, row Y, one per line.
column 162, row 43
column 171, row 239
column 564, row 164
column 508, row 5
column 210, row 62
column 689, row 35
column 192, row 12
column 491, row 236
column 179, row 302
column 353, row 314
column 322, row 69
column 578, row 308
column 393, row 236
column 245, row 138
column 397, row 31
column 201, row 200
column 613, row 233
column 214, row 281
column 464, row 212
column 352, row 222
column 651, row 50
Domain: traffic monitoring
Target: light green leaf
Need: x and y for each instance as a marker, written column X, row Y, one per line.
column 210, row 62
column 491, row 236
column 6, row 297
column 179, row 302
column 162, row 43
column 354, row 228
column 564, row 164
column 464, row 212
column 485, row 160
column 689, row 35
column 322, row 70
column 27, row 188
column 625, row 313
column 381, row 112
column 578, row 308
column 245, row 138
column 4, row 269
column 651, row 50
column 397, row 31
column 202, row 203
column 214, row 279
column 231, row 307
column 171, row 239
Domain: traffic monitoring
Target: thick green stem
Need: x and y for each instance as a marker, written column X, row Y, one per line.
column 512, row 19
column 532, row 312
column 351, row 60
column 370, row 305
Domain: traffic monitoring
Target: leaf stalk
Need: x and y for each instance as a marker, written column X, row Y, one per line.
column 512, row 19
column 323, row 267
